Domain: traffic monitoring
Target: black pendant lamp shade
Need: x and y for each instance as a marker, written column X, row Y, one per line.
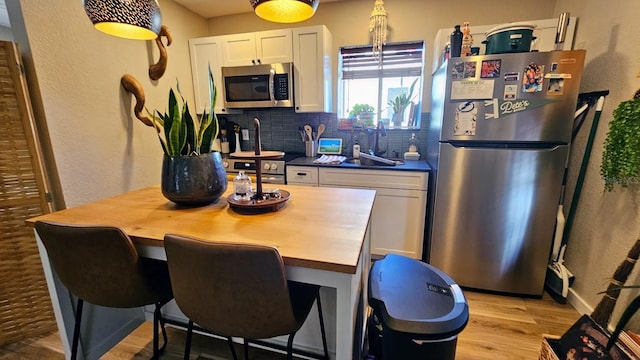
column 285, row 11
column 130, row 19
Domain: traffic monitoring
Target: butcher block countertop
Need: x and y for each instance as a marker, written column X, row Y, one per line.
column 319, row 228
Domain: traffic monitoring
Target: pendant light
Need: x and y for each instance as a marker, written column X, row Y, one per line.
column 378, row 28
column 129, row 19
column 285, row 11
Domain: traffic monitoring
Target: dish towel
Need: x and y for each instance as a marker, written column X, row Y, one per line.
column 330, row 159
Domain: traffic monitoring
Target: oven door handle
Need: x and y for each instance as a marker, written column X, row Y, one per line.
column 274, row 179
column 272, row 75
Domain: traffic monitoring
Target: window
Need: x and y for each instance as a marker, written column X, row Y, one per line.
column 389, row 90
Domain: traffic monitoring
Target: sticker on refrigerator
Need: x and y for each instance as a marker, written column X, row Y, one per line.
column 490, row 69
column 532, row 78
column 511, row 76
column 556, row 86
column 465, row 120
column 496, row 108
column 463, row 70
column 510, row 92
column 469, row 70
column 472, row 89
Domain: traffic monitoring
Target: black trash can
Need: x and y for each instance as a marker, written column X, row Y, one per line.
column 420, row 309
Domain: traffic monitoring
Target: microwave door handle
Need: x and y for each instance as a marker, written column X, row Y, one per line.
column 272, row 75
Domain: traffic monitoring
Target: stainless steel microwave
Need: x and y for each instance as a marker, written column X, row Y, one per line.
column 258, row 86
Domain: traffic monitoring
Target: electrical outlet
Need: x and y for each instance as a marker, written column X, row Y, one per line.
column 245, row 134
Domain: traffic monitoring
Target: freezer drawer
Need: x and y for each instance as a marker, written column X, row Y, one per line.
column 494, row 216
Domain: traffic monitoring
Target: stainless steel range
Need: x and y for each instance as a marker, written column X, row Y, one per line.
column 273, row 170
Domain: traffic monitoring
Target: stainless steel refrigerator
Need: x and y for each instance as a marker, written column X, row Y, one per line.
column 499, row 141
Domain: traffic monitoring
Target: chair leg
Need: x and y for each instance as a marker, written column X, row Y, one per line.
column 187, row 346
column 76, row 330
column 324, row 336
column 164, row 334
column 290, row 346
column 155, row 333
column 233, row 350
column 245, row 345
column 158, row 320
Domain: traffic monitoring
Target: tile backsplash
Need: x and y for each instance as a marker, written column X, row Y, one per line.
column 279, row 131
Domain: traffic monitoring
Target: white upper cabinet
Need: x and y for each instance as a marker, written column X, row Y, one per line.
column 313, row 69
column 264, row 47
column 308, row 48
column 205, row 52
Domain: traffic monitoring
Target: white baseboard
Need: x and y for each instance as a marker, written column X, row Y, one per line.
column 578, row 303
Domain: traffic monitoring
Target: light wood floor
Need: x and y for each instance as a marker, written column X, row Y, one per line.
column 500, row 327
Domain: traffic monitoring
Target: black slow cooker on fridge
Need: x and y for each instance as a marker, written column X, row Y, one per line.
column 509, row 38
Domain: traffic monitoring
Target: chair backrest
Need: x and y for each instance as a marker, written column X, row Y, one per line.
column 231, row 289
column 100, row 265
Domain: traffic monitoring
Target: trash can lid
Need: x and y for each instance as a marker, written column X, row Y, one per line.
column 414, row 297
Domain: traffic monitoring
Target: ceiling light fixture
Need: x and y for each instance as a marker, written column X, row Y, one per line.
column 129, row 19
column 285, row 11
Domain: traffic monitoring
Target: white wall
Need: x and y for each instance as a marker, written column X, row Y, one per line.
column 606, row 224
column 100, row 148
column 348, row 22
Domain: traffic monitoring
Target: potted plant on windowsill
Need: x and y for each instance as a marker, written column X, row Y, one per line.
column 363, row 113
column 192, row 173
column 400, row 103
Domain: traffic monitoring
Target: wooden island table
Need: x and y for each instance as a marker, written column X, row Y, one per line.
column 321, row 233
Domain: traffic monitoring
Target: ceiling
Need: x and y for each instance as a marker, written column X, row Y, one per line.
column 212, row 8
column 205, row 8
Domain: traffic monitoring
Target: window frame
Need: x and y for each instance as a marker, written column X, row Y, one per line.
column 392, row 55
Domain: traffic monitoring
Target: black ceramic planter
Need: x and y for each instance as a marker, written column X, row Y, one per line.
column 193, row 180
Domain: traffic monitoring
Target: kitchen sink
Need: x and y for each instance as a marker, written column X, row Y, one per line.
column 369, row 162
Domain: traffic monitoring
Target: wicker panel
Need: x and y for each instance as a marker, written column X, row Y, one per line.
column 25, row 308
column 546, row 352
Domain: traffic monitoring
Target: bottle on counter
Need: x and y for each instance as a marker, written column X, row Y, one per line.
column 413, row 153
column 224, row 144
column 467, row 40
column 356, row 150
column 456, row 42
column 242, row 187
column 413, row 143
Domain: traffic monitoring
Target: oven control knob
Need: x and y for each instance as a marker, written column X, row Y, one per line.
column 274, row 166
column 266, row 166
column 225, row 163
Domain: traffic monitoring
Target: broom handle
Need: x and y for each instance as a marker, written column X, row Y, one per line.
column 583, row 169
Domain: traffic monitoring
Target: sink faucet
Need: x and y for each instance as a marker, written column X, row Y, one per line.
column 379, row 131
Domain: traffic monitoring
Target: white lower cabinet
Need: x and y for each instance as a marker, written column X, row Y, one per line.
column 302, row 175
column 398, row 218
column 397, row 224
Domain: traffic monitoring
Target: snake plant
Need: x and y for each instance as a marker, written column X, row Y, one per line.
column 181, row 134
column 402, row 100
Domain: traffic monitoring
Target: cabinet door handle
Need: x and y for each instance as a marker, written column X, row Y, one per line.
column 253, row 62
column 259, row 62
column 302, row 174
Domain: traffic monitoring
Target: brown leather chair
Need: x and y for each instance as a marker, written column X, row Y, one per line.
column 100, row 265
column 238, row 290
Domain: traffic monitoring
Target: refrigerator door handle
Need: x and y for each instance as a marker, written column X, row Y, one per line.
column 505, row 146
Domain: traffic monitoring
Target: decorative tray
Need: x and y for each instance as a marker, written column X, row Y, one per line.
column 269, row 201
column 252, row 155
